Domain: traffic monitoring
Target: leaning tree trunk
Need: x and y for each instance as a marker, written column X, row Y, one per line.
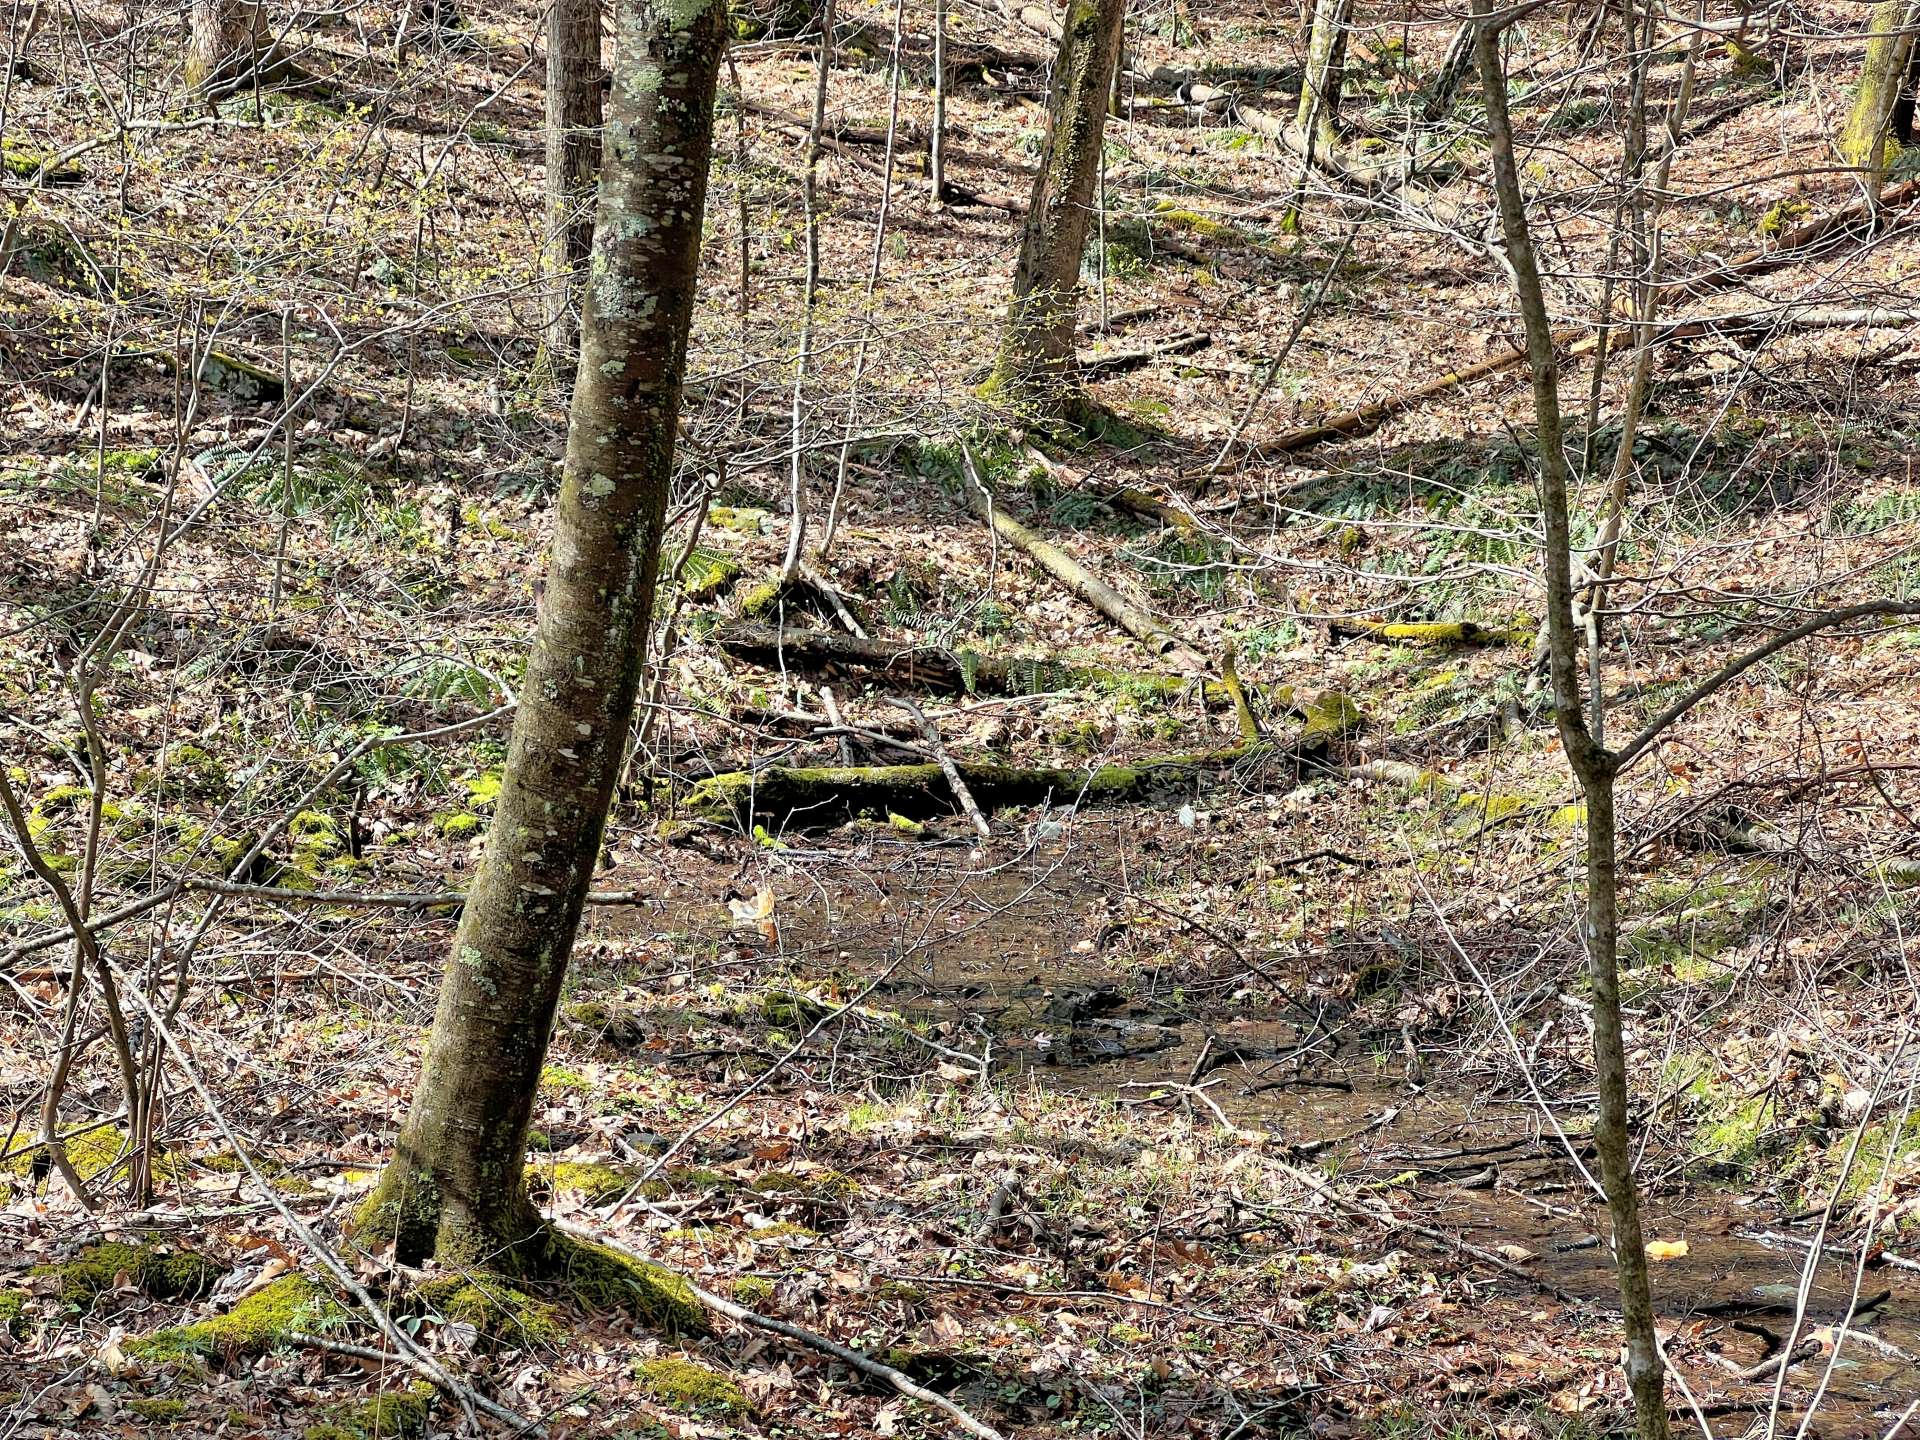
column 1884, row 75
column 1035, row 366
column 226, row 42
column 1326, row 66
column 455, row 1186
column 573, row 158
column 1593, row 765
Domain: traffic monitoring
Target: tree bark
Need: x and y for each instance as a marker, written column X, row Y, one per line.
column 1883, row 76
column 573, row 158
column 455, row 1186
column 1326, row 64
column 227, row 40
column 1036, row 363
column 1593, row 766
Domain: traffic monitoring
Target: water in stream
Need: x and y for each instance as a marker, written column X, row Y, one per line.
column 1014, row 962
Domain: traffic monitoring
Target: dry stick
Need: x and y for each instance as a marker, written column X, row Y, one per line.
column 1286, row 348
column 286, row 473
column 1143, row 626
column 803, row 361
column 937, row 147
column 832, row 707
column 873, row 278
column 866, row 1364
column 409, row 1353
column 1738, row 666
column 955, row 781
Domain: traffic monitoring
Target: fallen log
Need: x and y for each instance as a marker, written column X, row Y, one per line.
column 1138, row 622
column 1433, row 632
column 828, row 794
column 953, row 672
column 819, row 795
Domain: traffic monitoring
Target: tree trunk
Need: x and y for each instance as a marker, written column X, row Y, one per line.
column 1326, row 64
column 1592, row 764
column 455, row 1185
column 573, row 158
column 1036, row 361
column 1883, row 76
column 227, row 41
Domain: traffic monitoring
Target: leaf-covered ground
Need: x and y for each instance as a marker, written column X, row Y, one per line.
column 1055, row 1250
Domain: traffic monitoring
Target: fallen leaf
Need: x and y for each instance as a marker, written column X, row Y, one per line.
column 1666, row 1249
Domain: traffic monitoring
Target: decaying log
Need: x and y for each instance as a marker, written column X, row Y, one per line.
column 826, row 795
column 1433, row 632
column 1145, row 627
column 951, row 672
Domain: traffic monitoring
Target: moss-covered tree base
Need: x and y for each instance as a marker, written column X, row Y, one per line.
column 404, row 1211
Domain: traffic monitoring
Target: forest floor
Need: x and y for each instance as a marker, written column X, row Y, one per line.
column 1165, row 1118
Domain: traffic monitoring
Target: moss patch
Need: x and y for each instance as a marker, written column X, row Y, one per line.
column 596, row 1183
column 603, row 1280
column 13, row 1312
column 399, row 1415
column 163, row 1273
column 263, row 1320
column 497, row 1310
column 689, row 1385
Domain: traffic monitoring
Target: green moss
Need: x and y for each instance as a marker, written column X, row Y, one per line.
column 760, row 599
column 93, row 1153
column 260, row 1322
column 242, row 379
column 597, row 1184
column 1782, row 218
column 785, row 1230
column 13, row 1312
column 685, row 1177
column 819, row 1184
column 402, row 1210
column 753, row 1289
column 459, row 825
column 496, row 1309
column 558, row 1077
column 397, row 1415
column 741, row 519
column 675, row 1380
column 25, row 163
column 1331, row 716
column 158, row 1412
column 603, row 1280
column 164, row 1273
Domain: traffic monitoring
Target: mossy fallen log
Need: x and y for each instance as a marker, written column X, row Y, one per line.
column 957, row 672
column 1434, row 632
column 828, row 794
